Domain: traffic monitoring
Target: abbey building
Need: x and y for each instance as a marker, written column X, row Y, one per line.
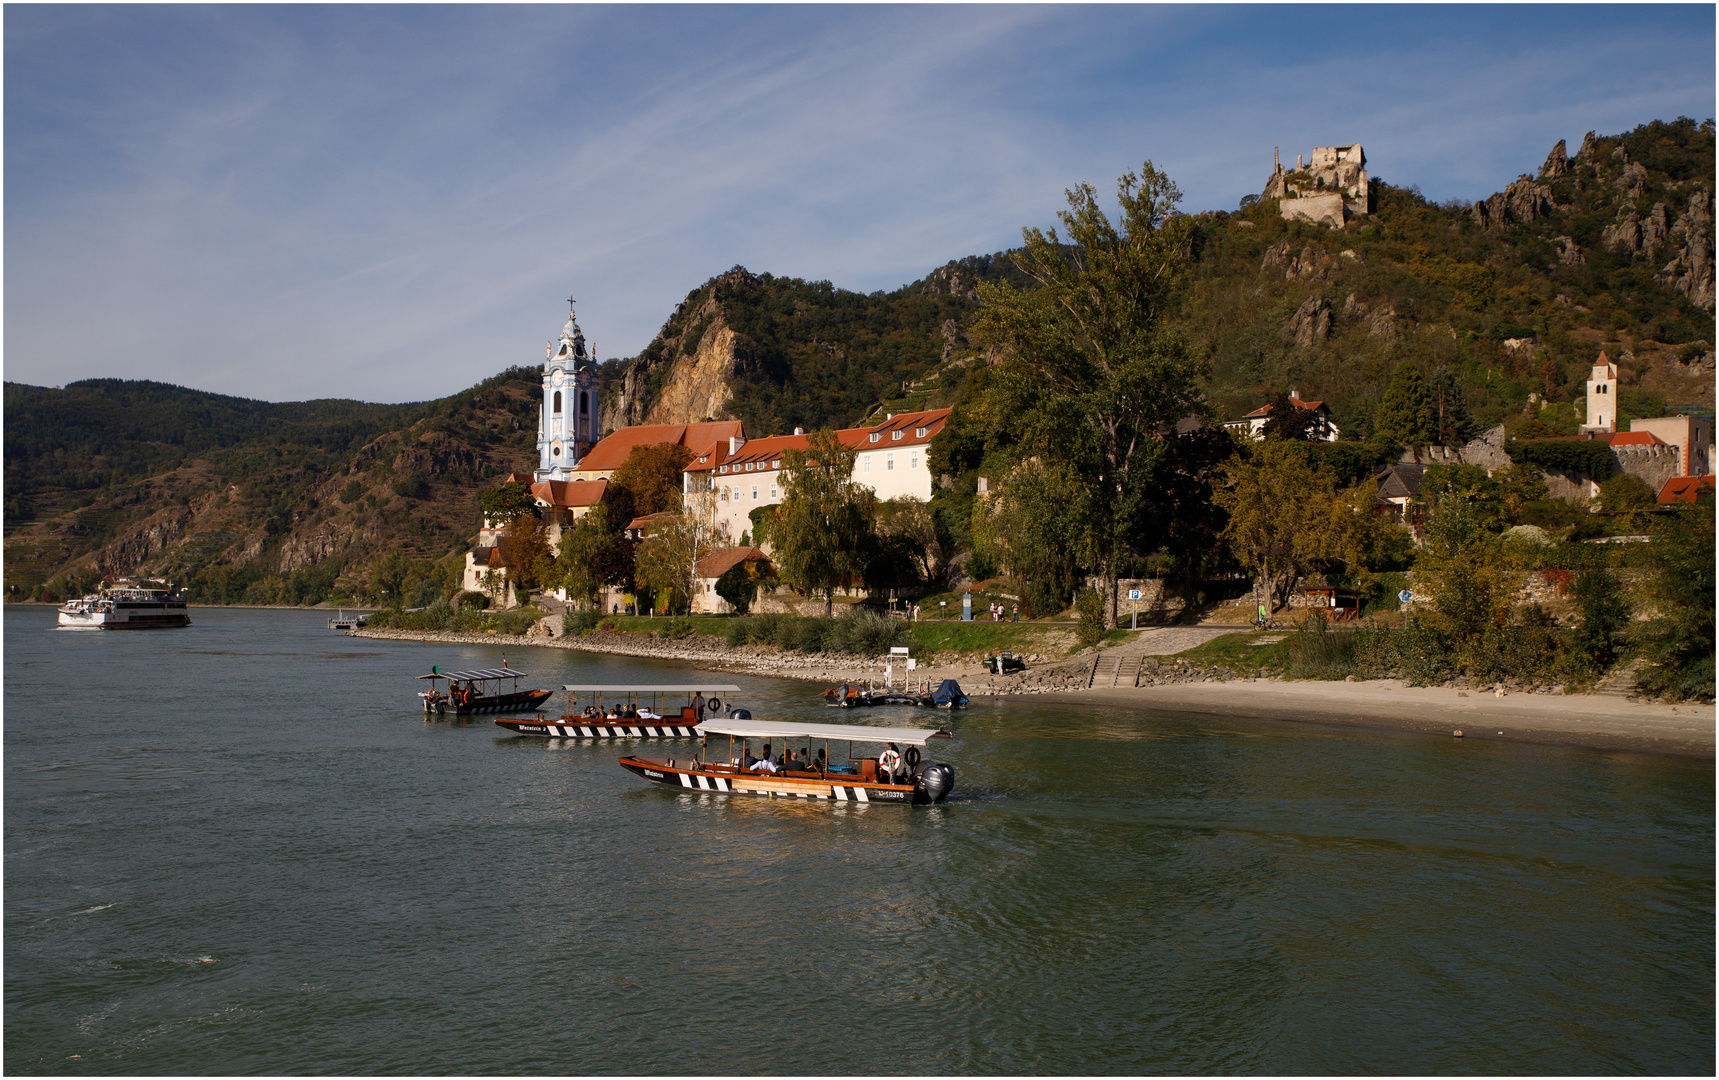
column 570, row 420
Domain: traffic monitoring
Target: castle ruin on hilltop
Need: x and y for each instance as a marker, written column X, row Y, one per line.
column 1331, row 187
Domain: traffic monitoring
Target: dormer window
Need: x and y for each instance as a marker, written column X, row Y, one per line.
column 776, row 464
column 895, row 436
column 875, row 436
column 919, row 433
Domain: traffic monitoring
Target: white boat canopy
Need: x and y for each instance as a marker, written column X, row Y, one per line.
column 764, row 729
column 665, row 688
column 489, row 673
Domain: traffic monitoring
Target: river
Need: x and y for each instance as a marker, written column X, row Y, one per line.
column 239, row 848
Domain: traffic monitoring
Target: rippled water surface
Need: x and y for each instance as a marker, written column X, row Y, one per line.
column 238, row 848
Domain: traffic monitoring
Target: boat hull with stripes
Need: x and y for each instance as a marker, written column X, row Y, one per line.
column 578, row 728
column 689, row 776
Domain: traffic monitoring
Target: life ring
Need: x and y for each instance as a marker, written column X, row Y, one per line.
column 912, row 757
column 712, row 704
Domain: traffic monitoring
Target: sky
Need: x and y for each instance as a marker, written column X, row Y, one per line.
column 391, row 203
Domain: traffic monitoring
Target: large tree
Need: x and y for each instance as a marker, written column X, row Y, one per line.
column 1286, row 516
column 1091, row 333
column 824, row 533
column 653, row 474
column 507, row 503
column 577, row 564
column 1405, row 414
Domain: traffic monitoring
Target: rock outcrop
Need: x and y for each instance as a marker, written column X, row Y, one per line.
column 1311, row 323
column 1524, row 201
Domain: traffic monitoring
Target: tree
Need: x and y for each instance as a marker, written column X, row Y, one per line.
column 739, row 585
column 664, row 561
column 1181, row 519
column 824, row 531
column 907, row 523
column 524, row 548
column 1452, row 425
column 1092, row 338
column 1470, row 575
column 1678, row 643
column 1284, row 419
column 653, row 474
column 1605, row 609
column 1624, row 493
column 508, row 503
column 1405, row 416
column 1481, row 494
column 1037, row 532
column 577, row 566
column 1285, row 515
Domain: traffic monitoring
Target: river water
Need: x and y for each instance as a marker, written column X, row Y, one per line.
column 239, row 848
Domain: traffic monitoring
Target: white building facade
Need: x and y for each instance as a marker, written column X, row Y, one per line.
column 570, row 419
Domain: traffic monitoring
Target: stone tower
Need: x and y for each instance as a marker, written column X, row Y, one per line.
column 570, row 422
column 1602, row 397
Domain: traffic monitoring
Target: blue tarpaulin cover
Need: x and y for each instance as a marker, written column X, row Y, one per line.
column 948, row 690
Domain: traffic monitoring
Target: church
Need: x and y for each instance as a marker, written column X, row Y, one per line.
column 570, row 421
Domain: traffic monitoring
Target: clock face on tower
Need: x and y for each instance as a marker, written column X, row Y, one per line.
column 584, row 378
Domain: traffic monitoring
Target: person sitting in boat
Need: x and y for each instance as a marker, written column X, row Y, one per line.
column 647, row 713
column 593, row 713
column 766, row 764
column 631, row 713
column 746, row 758
column 888, row 762
column 615, row 711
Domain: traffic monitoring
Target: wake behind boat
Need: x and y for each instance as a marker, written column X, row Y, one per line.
column 660, row 711
column 891, row 777
column 482, row 691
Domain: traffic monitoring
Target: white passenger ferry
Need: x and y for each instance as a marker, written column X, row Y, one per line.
column 125, row 606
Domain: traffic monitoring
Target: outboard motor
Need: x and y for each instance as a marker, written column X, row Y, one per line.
column 740, row 714
column 934, row 783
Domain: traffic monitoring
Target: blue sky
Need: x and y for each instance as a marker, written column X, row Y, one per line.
column 389, row 203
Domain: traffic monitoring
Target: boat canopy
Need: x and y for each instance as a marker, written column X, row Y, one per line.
column 468, row 676
column 764, row 729
column 663, row 688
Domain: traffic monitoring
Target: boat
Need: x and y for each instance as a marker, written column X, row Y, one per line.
column 124, row 605
column 948, row 695
column 846, row 696
column 732, row 770
column 637, row 711
column 343, row 621
column 480, row 692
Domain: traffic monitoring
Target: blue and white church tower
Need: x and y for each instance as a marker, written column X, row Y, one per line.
column 571, row 421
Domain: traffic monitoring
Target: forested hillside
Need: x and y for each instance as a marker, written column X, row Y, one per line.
column 1502, row 306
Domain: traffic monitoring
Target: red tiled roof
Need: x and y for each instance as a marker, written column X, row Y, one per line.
column 651, row 519
column 1683, row 488
column 722, row 560
column 765, row 454
column 1637, row 438
column 615, row 447
column 569, row 492
column 1266, row 408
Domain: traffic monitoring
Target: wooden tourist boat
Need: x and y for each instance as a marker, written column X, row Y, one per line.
column 480, row 692
column 662, row 711
column 732, row 769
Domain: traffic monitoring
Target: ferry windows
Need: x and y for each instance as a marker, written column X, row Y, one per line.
column 557, row 403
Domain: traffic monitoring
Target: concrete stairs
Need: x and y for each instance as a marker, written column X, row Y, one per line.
column 1111, row 669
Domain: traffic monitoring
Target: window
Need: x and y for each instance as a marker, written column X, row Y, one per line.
column 889, row 463
column 875, row 436
column 895, row 436
column 557, row 403
column 725, row 494
column 584, row 403
column 773, row 494
column 556, row 451
column 754, row 494
column 913, row 462
column 919, row 433
column 867, row 466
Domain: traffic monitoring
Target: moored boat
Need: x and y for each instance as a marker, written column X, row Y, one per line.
column 948, row 695
column 662, row 711
column 125, row 606
column 480, row 692
column 893, row 776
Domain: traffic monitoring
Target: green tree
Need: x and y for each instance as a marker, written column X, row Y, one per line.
column 824, row 532
column 1605, row 611
column 664, row 562
column 525, row 551
column 1091, row 336
column 907, row 523
column 576, row 566
column 739, row 584
column 1285, row 516
column 1678, row 643
column 1405, row 416
column 1470, row 575
column 653, row 474
column 1624, row 493
column 507, row 503
column 1037, row 532
column 1482, row 495
column 1284, row 419
column 1451, row 422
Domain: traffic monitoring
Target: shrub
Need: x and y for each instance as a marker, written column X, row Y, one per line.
column 471, row 601
column 676, row 629
column 867, row 632
column 412, row 487
column 1605, row 609
column 352, row 492
column 580, row 620
column 517, row 621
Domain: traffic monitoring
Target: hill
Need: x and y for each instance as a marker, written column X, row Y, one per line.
column 1509, row 300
